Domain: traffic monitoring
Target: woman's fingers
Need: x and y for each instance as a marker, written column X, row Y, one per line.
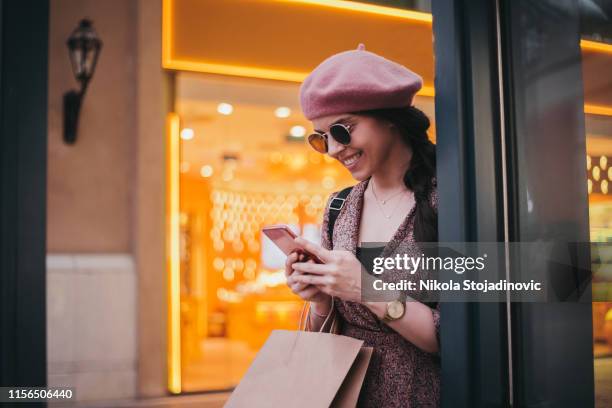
column 294, row 285
column 303, row 290
column 308, row 293
column 317, row 250
column 312, row 267
column 319, row 280
column 291, row 259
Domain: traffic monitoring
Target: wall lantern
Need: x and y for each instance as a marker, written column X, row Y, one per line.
column 83, row 48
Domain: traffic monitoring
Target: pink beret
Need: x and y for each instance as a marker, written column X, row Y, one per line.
column 357, row 80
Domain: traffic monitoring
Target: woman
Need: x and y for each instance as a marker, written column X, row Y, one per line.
column 361, row 107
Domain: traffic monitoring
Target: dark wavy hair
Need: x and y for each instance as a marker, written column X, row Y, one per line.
column 412, row 124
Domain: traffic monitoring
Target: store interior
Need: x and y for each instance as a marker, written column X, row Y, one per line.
column 245, row 163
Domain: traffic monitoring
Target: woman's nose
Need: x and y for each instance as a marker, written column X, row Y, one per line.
column 334, row 148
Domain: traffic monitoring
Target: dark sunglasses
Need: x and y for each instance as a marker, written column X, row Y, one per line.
column 339, row 131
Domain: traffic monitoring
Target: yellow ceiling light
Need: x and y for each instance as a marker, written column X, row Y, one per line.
column 368, row 8
column 598, row 110
column 588, row 160
column 603, row 162
column 596, row 173
column 206, row 171
column 596, row 46
column 297, row 131
column 187, row 134
column 225, row 108
column 171, row 60
column 282, row 112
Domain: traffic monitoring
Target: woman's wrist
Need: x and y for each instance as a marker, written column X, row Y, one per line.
column 378, row 308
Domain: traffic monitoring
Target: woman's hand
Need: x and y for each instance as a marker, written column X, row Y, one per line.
column 304, row 290
column 339, row 275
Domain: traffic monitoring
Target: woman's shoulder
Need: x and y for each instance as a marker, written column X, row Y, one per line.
column 352, row 190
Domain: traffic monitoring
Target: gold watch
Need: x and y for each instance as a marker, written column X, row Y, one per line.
column 395, row 310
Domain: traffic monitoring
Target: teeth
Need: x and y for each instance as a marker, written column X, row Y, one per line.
column 352, row 159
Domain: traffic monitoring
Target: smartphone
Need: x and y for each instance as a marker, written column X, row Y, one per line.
column 284, row 237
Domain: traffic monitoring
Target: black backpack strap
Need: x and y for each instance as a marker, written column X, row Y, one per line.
column 335, row 205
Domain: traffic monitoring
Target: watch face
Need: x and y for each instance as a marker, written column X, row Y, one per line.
column 395, row 309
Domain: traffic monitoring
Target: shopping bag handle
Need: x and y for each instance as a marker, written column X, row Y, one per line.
column 307, row 320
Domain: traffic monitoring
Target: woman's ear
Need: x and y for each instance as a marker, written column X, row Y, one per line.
column 389, row 124
column 392, row 128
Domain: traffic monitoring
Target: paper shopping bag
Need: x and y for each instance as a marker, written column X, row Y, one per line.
column 348, row 394
column 303, row 369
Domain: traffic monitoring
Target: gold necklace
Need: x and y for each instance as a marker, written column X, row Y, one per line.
column 388, row 217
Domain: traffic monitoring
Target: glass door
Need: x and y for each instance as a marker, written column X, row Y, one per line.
column 558, row 97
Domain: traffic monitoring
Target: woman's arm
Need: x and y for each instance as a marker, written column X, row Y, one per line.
column 340, row 276
column 418, row 325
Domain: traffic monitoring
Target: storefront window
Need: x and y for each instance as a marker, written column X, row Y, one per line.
column 596, row 58
column 244, row 164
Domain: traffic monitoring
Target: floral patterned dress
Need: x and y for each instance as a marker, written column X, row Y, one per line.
column 400, row 374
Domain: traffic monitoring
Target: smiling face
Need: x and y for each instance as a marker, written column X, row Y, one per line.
column 372, row 147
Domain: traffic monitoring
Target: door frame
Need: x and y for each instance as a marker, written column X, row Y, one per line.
column 472, row 197
column 24, row 36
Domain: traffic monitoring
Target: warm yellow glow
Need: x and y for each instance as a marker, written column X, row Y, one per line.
column 368, row 8
column 328, row 182
column 282, row 112
column 228, row 274
column 427, row 91
column 588, row 162
column 206, row 170
column 596, row 46
column 234, row 70
column 166, row 31
column 603, row 48
column 596, row 173
column 169, row 62
column 251, row 72
column 227, row 175
column 225, row 108
column 297, row 131
column 173, row 252
column 187, row 134
column 598, row 110
column 185, row 167
column 218, row 264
